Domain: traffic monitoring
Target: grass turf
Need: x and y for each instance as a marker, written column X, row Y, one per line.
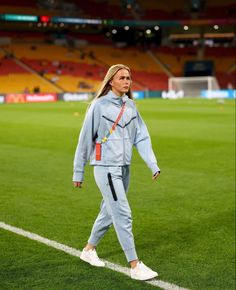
column 183, row 223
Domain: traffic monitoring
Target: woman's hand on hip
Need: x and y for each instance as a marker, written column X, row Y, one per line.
column 77, row 184
column 156, row 175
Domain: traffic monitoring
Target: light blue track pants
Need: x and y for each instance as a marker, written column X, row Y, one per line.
column 113, row 183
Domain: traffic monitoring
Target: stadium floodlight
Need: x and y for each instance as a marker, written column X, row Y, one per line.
column 192, row 86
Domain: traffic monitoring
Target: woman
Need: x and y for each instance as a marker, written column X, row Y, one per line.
column 111, row 127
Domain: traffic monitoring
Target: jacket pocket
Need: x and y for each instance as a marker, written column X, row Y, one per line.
column 112, row 187
column 113, row 150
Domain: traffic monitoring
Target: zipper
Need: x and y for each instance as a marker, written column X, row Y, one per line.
column 113, row 192
column 123, row 129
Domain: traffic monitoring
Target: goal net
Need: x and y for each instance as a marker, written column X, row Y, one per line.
column 192, row 86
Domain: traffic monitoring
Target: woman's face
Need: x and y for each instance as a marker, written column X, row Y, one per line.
column 120, row 84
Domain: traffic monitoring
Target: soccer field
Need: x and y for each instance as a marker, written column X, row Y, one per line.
column 183, row 224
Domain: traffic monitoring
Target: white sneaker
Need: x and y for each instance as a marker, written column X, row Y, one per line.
column 91, row 257
column 142, row 272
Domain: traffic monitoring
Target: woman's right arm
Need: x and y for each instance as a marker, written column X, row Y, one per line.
column 85, row 143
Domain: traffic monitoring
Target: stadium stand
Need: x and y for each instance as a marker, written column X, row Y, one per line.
column 174, row 60
column 33, row 59
column 14, row 78
column 68, row 68
column 83, row 69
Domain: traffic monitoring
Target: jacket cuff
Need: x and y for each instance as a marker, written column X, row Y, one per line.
column 78, row 176
column 154, row 168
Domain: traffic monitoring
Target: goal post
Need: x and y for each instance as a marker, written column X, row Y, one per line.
column 192, row 86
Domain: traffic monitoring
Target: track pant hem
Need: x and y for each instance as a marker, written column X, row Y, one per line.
column 131, row 254
column 93, row 241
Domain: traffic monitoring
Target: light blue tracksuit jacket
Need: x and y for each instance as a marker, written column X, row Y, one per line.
column 112, row 171
column 117, row 151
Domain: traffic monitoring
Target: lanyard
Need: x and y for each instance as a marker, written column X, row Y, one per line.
column 115, row 124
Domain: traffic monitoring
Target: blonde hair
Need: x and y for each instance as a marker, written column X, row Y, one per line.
column 106, row 87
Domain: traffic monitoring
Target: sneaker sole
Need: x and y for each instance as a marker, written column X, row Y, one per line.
column 144, row 279
column 87, row 261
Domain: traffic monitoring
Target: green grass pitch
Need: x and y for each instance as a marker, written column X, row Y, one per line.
column 183, row 224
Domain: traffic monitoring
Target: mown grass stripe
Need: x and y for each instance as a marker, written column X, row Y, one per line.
column 74, row 252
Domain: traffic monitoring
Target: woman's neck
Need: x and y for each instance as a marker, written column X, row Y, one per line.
column 118, row 94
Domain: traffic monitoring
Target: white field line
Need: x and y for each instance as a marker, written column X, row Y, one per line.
column 73, row 252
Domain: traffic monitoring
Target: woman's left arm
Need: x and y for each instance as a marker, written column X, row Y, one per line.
column 143, row 144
